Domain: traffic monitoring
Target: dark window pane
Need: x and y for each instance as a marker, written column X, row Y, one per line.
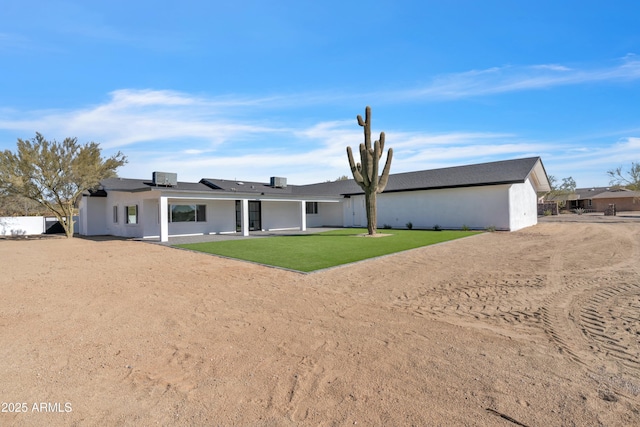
column 183, row 213
column 132, row 214
column 201, row 214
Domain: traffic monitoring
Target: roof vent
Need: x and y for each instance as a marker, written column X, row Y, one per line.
column 167, row 179
column 278, row 182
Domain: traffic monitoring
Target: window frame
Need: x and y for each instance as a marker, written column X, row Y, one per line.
column 127, row 216
column 199, row 211
column 311, row 208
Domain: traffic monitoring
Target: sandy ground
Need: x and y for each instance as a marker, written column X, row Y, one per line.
column 539, row 327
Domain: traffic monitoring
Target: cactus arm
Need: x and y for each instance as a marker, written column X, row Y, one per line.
column 355, row 169
column 374, row 168
column 385, row 172
column 366, row 124
column 364, row 158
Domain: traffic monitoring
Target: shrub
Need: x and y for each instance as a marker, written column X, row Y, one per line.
column 465, row 227
column 436, row 228
column 491, row 228
column 386, row 226
column 409, row 225
column 547, row 212
column 579, row 211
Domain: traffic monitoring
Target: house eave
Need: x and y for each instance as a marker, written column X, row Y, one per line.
column 442, row 187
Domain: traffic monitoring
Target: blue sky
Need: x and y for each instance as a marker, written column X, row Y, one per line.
column 253, row 89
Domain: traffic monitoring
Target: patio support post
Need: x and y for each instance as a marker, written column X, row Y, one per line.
column 303, row 215
column 245, row 217
column 164, row 219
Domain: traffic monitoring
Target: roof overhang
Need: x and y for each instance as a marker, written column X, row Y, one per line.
column 539, row 179
column 442, row 187
column 174, row 193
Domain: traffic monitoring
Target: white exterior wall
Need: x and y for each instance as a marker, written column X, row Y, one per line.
column 280, row 215
column 150, row 221
column 475, row 207
column 221, row 215
column 83, row 218
column 146, row 213
column 93, row 208
column 523, row 206
column 355, row 213
column 505, row 207
column 329, row 214
column 221, row 218
column 21, row 225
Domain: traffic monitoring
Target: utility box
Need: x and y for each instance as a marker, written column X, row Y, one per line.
column 278, row 182
column 166, row 179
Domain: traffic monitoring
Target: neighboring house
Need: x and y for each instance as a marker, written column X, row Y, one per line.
column 598, row 199
column 498, row 194
column 579, row 198
column 625, row 200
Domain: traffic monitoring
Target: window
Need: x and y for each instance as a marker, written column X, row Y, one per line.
column 188, row 213
column 312, row 207
column 131, row 214
column 115, row 214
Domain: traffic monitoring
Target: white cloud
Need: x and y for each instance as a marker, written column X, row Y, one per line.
column 221, row 138
column 238, row 137
column 552, row 67
column 497, row 80
column 138, row 116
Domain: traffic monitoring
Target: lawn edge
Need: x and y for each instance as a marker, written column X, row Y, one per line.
column 326, row 268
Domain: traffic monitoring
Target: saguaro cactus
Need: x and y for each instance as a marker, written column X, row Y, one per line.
column 366, row 172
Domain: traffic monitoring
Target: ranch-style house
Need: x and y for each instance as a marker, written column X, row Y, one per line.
column 500, row 195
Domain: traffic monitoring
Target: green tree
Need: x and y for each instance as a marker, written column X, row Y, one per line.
column 559, row 192
column 55, row 174
column 629, row 179
column 568, row 185
column 366, row 172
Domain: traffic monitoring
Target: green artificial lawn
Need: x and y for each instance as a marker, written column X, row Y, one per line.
column 322, row 250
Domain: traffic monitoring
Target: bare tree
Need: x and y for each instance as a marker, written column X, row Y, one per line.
column 629, row 179
column 55, row 174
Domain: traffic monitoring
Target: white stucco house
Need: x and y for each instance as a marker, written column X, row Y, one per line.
column 499, row 194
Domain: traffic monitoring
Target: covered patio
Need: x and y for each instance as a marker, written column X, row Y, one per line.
column 203, row 238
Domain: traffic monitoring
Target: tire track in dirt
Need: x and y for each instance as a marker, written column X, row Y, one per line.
column 609, row 319
column 596, row 324
column 496, row 301
column 586, row 304
column 595, row 320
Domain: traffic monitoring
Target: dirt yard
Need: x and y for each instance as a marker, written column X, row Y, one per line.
column 539, row 327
